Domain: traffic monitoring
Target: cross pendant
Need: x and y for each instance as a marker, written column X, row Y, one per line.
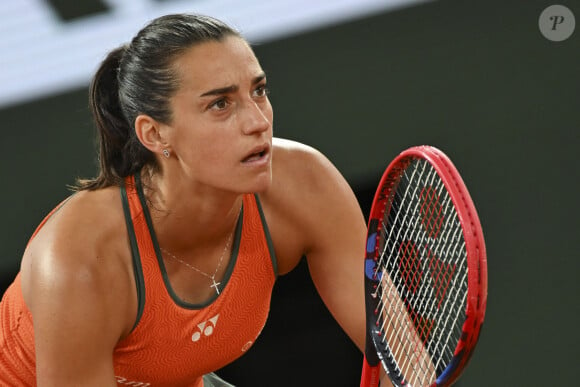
column 215, row 286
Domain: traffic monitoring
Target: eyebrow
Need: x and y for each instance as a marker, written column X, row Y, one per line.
column 232, row 88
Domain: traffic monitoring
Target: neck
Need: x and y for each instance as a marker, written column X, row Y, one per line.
column 187, row 218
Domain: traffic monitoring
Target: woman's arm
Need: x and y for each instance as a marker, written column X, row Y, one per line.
column 313, row 212
column 315, row 209
column 79, row 296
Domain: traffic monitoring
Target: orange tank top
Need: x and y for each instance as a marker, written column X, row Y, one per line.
column 173, row 343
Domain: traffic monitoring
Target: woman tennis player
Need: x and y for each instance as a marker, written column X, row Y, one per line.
column 159, row 271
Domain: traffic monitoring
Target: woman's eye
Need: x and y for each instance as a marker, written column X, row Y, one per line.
column 219, row 104
column 261, row 91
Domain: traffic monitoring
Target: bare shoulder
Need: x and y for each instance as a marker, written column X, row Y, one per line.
column 307, row 195
column 85, row 229
column 295, row 162
column 81, row 252
column 315, row 213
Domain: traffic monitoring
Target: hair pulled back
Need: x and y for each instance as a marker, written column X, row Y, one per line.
column 138, row 78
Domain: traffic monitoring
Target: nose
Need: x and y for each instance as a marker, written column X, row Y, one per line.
column 258, row 117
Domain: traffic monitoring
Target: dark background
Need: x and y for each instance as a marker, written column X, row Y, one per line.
column 476, row 79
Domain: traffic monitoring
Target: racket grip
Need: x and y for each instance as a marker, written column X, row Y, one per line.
column 370, row 374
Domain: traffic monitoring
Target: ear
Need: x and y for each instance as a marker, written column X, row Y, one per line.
column 148, row 132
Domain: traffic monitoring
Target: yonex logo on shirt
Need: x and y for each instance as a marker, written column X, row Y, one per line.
column 206, row 327
column 127, row 382
column 247, row 346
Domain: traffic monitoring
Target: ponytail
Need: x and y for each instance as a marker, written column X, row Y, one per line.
column 120, row 152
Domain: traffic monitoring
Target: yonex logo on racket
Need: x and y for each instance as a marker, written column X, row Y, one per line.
column 431, row 211
column 206, row 328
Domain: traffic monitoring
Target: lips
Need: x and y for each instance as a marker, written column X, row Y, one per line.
column 253, row 157
column 257, row 154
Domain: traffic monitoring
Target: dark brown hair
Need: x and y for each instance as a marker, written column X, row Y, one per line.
column 138, row 78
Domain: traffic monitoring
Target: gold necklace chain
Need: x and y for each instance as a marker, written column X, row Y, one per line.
column 215, row 284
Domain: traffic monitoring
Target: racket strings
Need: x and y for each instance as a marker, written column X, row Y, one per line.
column 422, row 251
column 401, row 331
column 404, row 343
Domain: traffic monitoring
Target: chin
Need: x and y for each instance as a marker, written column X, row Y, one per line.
column 261, row 183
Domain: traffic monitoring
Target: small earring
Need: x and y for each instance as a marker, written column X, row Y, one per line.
column 166, row 153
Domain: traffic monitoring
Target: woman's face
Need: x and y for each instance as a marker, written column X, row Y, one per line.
column 221, row 129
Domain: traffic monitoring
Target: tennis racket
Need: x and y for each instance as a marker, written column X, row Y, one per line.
column 425, row 273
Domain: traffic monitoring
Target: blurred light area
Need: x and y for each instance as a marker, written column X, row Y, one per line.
column 42, row 55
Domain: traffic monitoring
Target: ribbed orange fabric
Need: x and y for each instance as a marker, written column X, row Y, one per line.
column 174, row 343
column 16, row 340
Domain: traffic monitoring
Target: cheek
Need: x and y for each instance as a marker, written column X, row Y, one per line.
column 268, row 113
column 211, row 151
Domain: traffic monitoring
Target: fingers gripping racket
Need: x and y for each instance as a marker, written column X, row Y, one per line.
column 425, row 273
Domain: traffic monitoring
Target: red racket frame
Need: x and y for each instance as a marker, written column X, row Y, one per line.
column 476, row 260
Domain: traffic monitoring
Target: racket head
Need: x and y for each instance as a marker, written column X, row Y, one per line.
column 438, row 283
